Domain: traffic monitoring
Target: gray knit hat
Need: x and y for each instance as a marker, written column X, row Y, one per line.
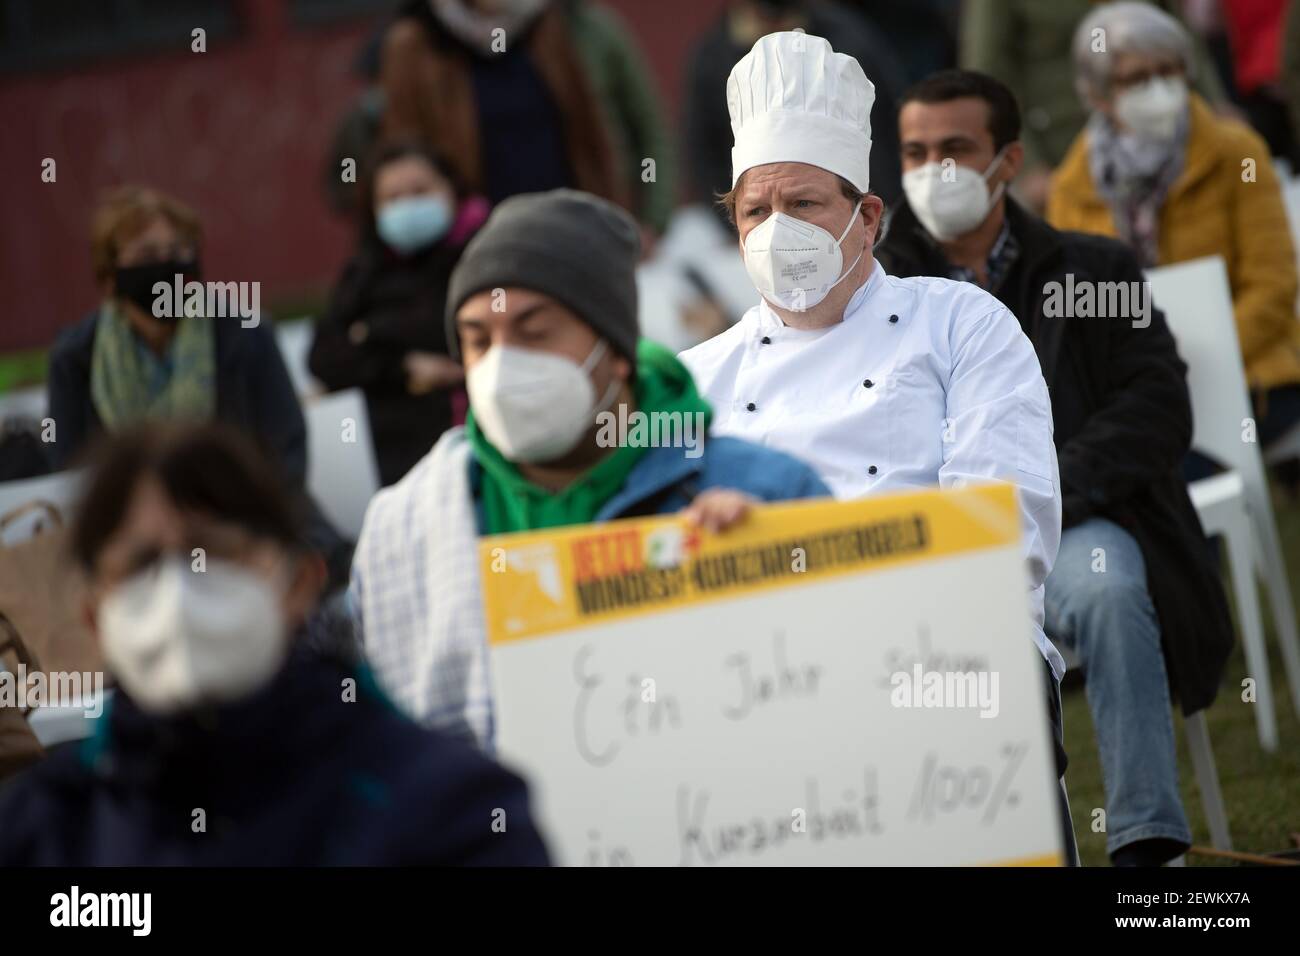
column 577, row 248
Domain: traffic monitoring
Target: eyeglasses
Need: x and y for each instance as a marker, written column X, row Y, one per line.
column 1126, row 81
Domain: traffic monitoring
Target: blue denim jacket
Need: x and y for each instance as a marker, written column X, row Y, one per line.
column 665, row 480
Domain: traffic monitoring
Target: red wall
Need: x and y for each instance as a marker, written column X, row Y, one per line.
column 239, row 132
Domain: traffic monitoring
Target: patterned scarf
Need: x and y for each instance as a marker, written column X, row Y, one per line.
column 128, row 382
column 1133, row 174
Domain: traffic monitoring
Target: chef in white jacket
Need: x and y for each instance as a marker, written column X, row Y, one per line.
column 879, row 383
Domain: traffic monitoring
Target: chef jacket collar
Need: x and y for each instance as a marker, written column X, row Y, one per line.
column 769, row 321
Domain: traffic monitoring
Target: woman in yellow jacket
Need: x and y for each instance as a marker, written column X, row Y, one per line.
column 1158, row 169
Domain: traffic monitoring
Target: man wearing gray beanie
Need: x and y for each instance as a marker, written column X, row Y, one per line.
column 573, row 419
column 569, row 245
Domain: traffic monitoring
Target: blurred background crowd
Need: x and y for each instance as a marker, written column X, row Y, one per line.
column 290, row 151
column 341, row 153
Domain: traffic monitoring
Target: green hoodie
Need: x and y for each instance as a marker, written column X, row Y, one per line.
column 513, row 503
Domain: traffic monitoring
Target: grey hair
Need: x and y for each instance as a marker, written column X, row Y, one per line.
column 1125, row 28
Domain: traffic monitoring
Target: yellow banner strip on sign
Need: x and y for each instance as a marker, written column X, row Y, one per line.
column 535, row 583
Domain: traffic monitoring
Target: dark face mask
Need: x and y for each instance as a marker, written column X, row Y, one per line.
column 135, row 283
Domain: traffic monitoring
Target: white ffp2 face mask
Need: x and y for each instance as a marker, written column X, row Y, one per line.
column 1152, row 109
column 951, row 201
column 534, row 406
column 175, row 637
column 795, row 264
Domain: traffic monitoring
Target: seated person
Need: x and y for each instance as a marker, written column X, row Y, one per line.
column 1132, row 592
column 125, row 362
column 229, row 742
column 129, row 362
column 881, row 383
column 383, row 329
column 543, row 309
column 1157, row 168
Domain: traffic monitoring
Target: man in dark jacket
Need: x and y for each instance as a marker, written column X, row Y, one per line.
column 1133, row 591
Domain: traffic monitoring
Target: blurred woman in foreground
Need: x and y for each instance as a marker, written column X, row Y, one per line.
column 230, row 741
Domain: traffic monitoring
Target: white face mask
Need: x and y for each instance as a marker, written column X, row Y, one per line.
column 951, row 202
column 534, row 406
column 1153, row 109
column 175, row 637
column 477, row 28
column 795, row 264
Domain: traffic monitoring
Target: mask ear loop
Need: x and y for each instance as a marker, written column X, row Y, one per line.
column 996, row 194
column 843, row 235
column 594, row 356
column 856, row 209
column 600, row 348
column 997, row 158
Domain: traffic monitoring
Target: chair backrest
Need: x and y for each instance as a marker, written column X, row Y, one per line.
column 28, row 402
column 341, row 471
column 1291, row 200
column 294, row 339
column 61, row 489
column 1197, row 302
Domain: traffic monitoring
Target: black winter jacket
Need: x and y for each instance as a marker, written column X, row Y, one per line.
column 1124, row 423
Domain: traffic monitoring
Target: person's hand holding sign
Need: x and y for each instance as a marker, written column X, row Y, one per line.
column 718, row 509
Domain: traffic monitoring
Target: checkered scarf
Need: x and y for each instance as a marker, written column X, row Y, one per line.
column 1133, row 174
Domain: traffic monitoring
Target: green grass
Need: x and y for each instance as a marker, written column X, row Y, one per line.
column 20, row 369
column 1260, row 790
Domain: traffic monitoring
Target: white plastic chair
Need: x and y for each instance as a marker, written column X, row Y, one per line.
column 1291, row 200
column 695, row 257
column 1285, row 448
column 60, row 489
column 342, row 475
column 1288, row 446
column 295, row 338
column 1207, row 779
column 1203, row 767
column 65, row 722
column 1197, row 302
column 26, row 402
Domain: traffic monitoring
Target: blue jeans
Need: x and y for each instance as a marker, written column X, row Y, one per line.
column 1282, row 413
column 1108, row 620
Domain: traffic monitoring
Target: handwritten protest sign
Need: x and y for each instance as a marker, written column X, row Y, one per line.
column 829, row 683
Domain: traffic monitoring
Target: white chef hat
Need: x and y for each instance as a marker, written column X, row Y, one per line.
column 795, row 100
